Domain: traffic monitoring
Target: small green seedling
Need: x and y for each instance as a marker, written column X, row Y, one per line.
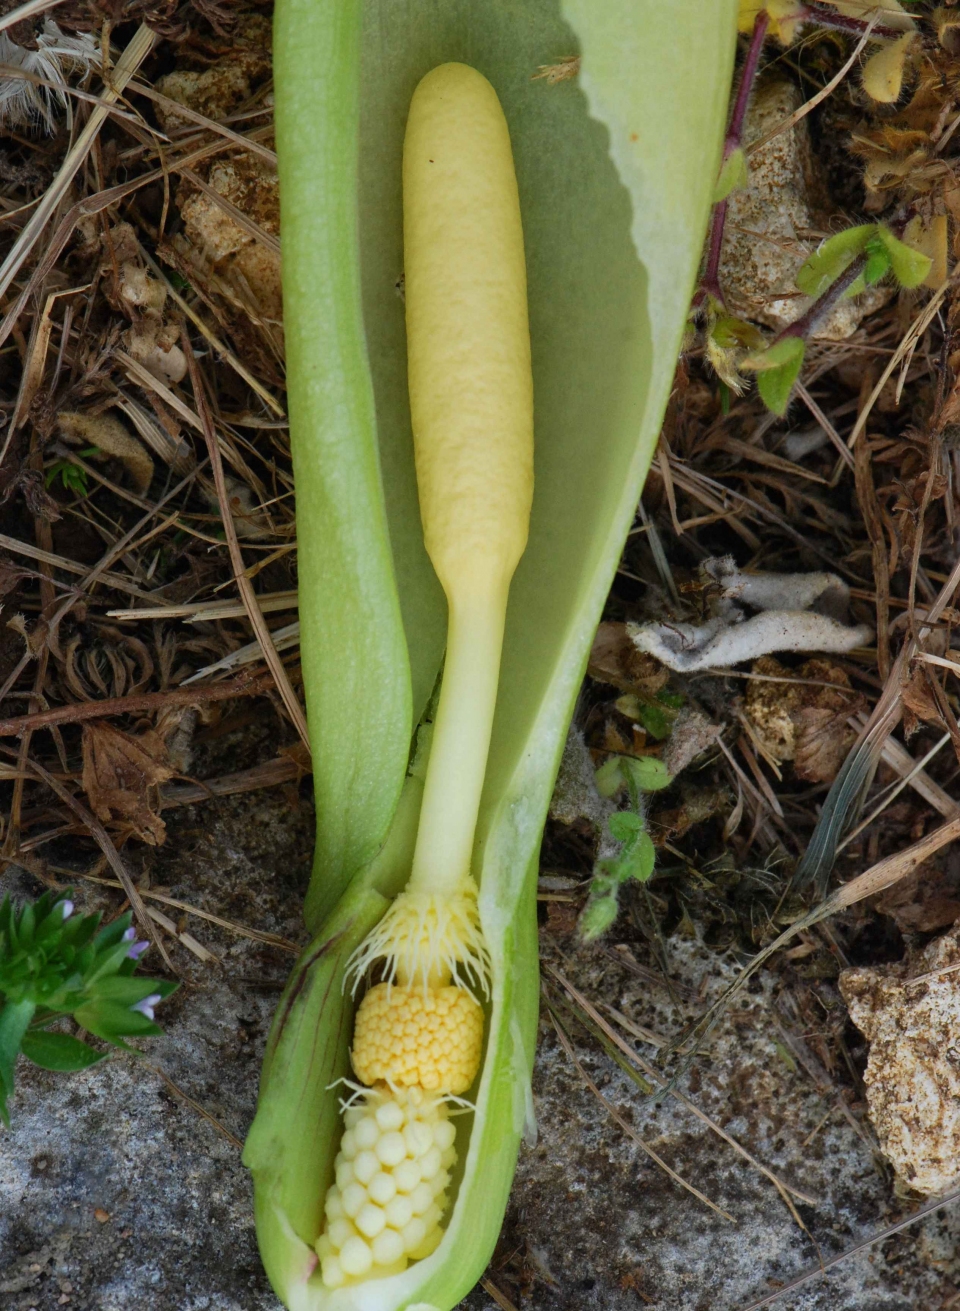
column 637, row 855
column 843, row 266
column 72, row 477
column 54, row 963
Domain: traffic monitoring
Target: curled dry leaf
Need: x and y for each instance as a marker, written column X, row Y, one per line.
column 697, row 806
column 691, row 735
column 824, row 737
column 151, row 340
column 249, row 519
column 800, row 722
column 29, row 483
column 883, row 72
column 111, row 438
column 927, row 899
column 931, row 239
column 120, row 776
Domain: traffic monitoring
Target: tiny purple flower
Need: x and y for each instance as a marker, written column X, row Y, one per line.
column 128, row 935
column 67, row 909
column 145, row 1007
column 137, row 950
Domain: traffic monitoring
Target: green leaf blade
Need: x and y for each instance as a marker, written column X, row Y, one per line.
column 356, row 671
column 59, row 1051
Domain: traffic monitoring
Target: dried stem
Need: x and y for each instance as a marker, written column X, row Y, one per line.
column 127, row 705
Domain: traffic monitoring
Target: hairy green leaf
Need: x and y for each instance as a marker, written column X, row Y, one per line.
column 734, row 175
column 836, row 254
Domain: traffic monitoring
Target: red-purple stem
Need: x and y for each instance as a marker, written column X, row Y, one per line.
column 822, row 306
column 710, row 283
column 813, row 12
column 824, row 17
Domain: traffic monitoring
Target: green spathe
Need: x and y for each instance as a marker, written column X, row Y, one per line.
column 606, row 327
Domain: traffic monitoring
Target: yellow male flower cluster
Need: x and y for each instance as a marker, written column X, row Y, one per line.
column 429, row 1038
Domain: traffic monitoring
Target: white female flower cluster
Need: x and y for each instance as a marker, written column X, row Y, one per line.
column 393, row 1169
column 25, row 103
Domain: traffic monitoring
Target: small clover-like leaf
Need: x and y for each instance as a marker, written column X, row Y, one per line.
column 609, row 777
column 647, row 773
column 655, row 721
column 642, row 859
column 624, row 825
column 777, row 369
column 877, row 264
column 776, row 385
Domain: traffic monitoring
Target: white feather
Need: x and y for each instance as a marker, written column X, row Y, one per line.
column 25, row 104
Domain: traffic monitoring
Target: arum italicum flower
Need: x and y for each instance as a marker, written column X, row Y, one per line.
column 390, row 1193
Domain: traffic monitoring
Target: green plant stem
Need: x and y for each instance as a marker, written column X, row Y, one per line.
column 461, row 741
column 15, row 1019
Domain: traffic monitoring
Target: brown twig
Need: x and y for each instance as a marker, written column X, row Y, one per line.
column 145, row 702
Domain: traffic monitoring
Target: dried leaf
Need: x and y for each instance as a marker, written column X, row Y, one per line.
column 615, row 660
column 699, row 805
column 823, row 732
column 931, row 240
column 119, row 771
column 692, row 734
column 925, row 900
column 883, row 72
column 919, row 701
column 824, row 737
